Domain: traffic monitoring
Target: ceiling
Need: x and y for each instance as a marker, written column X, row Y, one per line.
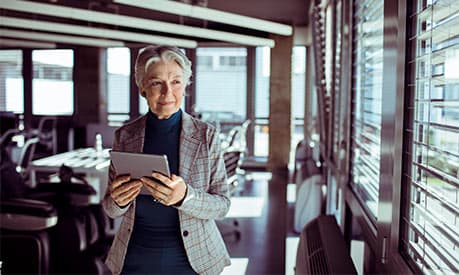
column 131, row 26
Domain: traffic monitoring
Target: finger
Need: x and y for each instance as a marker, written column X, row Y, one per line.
column 125, row 193
column 126, row 187
column 125, row 200
column 175, row 180
column 164, row 179
column 155, row 183
column 119, row 180
column 156, row 193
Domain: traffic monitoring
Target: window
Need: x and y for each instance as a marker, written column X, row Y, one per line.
column 205, row 61
column 11, row 82
column 232, row 61
column 366, row 101
column 262, row 71
column 221, row 92
column 431, row 224
column 52, row 78
column 298, row 93
column 118, row 86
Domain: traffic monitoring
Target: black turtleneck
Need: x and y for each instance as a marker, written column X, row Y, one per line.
column 162, row 136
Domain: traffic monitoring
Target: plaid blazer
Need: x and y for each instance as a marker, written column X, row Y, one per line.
column 202, row 167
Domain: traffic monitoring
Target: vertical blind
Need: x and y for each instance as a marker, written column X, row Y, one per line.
column 366, row 100
column 431, row 234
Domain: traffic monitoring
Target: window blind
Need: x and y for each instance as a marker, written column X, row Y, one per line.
column 118, row 84
column 11, row 82
column 431, row 222
column 222, row 88
column 366, row 100
column 52, row 78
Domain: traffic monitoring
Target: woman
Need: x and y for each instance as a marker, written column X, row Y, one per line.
column 171, row 230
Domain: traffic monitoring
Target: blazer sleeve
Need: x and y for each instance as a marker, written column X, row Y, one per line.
column 111, row 208
column 215, row 202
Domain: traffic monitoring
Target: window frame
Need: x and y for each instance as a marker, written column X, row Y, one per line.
column 383, row 237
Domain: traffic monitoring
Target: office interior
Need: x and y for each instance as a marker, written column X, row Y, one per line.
column 338, row 121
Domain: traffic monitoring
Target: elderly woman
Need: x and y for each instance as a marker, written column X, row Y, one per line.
column 172, row 229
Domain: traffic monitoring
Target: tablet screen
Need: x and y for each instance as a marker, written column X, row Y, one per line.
column 139, row 165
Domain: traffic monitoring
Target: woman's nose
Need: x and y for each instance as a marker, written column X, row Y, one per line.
column 166, row 88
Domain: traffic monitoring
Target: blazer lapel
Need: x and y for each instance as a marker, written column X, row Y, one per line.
column 189, row 146
column 136, row 139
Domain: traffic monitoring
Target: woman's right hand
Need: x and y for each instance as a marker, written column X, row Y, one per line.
column 123, row 190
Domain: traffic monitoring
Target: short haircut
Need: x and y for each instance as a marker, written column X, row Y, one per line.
column 152, row 54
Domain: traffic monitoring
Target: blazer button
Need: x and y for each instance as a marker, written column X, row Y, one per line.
column 185, row 233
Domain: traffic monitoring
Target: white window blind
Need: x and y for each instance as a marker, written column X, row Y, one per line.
column 118, row 84
column 431, row 224
column 366, row 100
column 11, row 81
column 52, row 79
column 223, row 88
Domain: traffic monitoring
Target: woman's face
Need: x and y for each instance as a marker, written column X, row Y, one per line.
column 163, row 87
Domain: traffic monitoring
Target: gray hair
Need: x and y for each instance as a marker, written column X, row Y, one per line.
column 152, row 54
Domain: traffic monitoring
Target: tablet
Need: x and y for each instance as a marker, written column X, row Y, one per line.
column 139, row 165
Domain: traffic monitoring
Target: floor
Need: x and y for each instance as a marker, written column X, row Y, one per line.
column 264, row 211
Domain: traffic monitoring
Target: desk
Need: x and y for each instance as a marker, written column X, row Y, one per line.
column 86, row 161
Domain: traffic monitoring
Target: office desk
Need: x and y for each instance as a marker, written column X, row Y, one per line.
column 86, row 161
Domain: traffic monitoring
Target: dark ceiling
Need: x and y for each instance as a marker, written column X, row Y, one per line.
column 291, row 12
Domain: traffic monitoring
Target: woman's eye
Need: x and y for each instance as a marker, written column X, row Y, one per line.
column 154, row 83
column 177, row 81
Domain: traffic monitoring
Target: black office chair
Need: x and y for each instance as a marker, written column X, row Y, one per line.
column 26, row 156
column 46, row 132
column 25, row 235
column 79, row 242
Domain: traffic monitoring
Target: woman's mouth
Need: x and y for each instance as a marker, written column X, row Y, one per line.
column 165, row 103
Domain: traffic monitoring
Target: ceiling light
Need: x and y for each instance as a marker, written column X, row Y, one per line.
column 7, row 42
column 74, row 40
column 88, row 31
column 214, row 15
column 134, row 22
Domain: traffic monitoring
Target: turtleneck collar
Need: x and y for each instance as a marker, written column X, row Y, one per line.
column 154, row 122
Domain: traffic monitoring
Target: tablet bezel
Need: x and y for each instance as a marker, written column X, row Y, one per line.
column 135, row 164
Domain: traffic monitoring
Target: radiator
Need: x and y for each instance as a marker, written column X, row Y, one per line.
column 322, row 249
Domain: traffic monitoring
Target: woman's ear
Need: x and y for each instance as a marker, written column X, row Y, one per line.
column 143, row 93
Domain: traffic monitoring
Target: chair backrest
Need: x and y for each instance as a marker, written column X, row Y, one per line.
column 237, row 136
column 6, row 138
column 46, row 132
column 27, row 154
column 232, row 159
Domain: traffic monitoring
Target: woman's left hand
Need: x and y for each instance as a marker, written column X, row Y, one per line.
column 167, row 191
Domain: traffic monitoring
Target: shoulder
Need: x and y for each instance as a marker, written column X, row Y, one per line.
column 131, row 126
column 197, row 127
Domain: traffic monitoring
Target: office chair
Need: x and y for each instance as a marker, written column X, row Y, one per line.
column 26, row 156
column 25, row 235
column 47, row 134
column 232, row 157
column 80, row 240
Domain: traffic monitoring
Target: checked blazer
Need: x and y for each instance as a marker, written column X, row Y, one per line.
column 202, row 167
